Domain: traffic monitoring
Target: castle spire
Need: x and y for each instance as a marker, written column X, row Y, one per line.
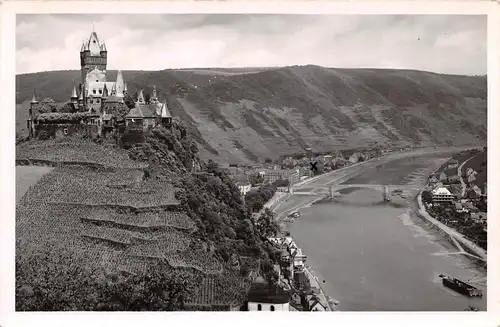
column 140, row 98
column 105, row 91
column 154, row 92
column 73, row 94
column 33, row 100
column 120, row 84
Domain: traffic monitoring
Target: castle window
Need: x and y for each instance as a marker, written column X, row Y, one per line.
column 272, row 307
column 100, row 91
column 259, row 307
column 98, row 101
column 65, row 131
column 93, row 91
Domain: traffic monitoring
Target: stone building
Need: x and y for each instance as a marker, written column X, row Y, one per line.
column 103, row 100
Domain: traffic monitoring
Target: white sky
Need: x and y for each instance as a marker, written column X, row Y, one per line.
column 439, row 43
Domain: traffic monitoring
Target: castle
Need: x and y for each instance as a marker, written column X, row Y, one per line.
column 102, row 100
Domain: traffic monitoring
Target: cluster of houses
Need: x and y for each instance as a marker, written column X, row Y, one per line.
column 292, row 170
column 296, row 279
column 463, row 203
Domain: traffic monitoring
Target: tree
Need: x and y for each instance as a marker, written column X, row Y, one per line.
column 67, row 108
column 45, row 106
column 266, row 224
column 282, row 183
column 426, row 196
column 129, row 100
column 212, row 166
column 256, row 179
column 59, row 280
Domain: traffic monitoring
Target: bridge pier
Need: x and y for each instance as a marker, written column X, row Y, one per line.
column 385, row 191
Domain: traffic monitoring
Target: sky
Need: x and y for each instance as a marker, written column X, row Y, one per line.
column 449, row 44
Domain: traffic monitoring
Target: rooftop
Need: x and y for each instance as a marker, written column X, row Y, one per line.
column 441, row 191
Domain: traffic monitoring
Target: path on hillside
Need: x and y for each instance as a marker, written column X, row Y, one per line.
column 462, row 182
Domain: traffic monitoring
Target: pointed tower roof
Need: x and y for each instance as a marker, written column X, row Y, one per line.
column 73, row 94
column 80, row 97
column 120, row 84
column 125, row 88
column 93, row 43
column 113, row 89
column 105, row 91
column 33, row 100
column 165, row 113
column 103, row 47
column 140, row 98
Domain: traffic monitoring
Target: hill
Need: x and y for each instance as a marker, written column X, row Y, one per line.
column 242, row 115
column 132, row 229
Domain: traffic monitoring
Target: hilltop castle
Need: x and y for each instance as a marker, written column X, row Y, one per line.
column 101, row 100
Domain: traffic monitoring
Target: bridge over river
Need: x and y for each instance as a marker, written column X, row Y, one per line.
column 387, row 190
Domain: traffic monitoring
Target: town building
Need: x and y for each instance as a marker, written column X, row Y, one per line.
column 243, row 187
column 273, row 175
column 265, row 297
column 433, row 179
column 442, row 195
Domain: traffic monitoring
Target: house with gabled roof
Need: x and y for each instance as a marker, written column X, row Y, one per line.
column 140, row 117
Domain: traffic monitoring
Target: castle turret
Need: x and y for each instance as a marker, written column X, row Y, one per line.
column 154, row 97
column 120, row 84
column 140, row 98
column 74, row 96
column 125, row 90
column 105, row 93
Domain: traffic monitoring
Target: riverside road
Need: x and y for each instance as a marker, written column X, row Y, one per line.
column 375, row 256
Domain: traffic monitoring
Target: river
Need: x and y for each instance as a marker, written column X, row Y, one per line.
column 381, row 257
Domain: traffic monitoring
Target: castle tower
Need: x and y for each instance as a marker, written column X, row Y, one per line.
column 125, row 91
column 93, row 61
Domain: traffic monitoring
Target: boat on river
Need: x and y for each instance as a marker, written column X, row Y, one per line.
column 461, row 287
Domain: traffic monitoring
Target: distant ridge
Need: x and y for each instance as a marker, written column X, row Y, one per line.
column 247, row 114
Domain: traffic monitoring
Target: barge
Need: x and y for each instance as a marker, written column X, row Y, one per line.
column 461, row 287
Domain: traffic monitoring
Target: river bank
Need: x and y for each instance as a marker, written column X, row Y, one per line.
column 378, row 256
column 476, row 250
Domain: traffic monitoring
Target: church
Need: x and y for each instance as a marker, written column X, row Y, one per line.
column 103, row 100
